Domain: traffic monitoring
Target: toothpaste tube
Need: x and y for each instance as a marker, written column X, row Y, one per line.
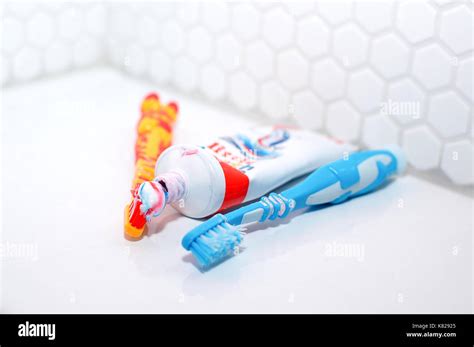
column 199, row 181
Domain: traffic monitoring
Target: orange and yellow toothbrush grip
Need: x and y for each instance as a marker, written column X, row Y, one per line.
column 154, row 135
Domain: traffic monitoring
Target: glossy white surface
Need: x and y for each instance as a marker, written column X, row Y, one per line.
column 67, row 165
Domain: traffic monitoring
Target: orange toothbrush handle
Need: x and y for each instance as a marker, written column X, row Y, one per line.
column 154, row 135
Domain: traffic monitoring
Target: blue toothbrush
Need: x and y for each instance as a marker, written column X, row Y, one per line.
column 358, row 174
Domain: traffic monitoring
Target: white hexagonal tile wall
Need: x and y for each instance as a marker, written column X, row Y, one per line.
column 70, row 23
column 215, row 15
column 457, row 162
column 335, row 12
column 365, row 90
column 374, row 16
column 313, row 36
column 185, row 74
column 405, row 101
column 229, row 52
column 259, row 60
column 456, row 23
column 328, row 80
column 212, row 82
column 416, row 20
column 274, row 100
column 307, row 110
column 243, row 90
column 87, row 50
column 57, row 57
column 95, row 19
column 292, row 69
column 27, row 63
column 432, row 66
column 300, row 8
column 390, row 56
column 40, row 29
column 464, row 78
column 148, row 33
column 448, row 114
column 135, row 59
column 256, row 56
column 422, row 148
column 350, row 45
column 379, row 131
column 343, row 122
column 13, row 35
column 278, row 28
column 172, row 37
column 245, row 21
column 200, row 44
column 160, row 66
column 187, row 13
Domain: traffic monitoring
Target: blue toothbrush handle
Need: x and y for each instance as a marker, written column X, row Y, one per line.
column 358, row 174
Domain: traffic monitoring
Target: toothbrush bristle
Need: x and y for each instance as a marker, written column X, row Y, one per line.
column 217, row 244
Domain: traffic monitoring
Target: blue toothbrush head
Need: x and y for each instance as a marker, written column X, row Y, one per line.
column 213, row 241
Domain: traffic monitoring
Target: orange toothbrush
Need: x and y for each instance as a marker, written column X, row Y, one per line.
column 154, row 135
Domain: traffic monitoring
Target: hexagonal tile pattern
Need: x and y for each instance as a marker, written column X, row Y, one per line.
column 457, row 162
column 215, row 16
column 274, row 101
column 245, row 21
column 212, row 82
column 185, row 74
column 335, row 12
column 187, row 13
column 13, row 35
column 390, row 56
column 40, row 29
column 307, row 110
column 148, row 31
column 135, row 59
column 374, row 16
column 87, row 50
column 416, row 20
column 172, row 37
column 313, row 36
column 300, row 8
column 243, row 90
column 405, row 102
column 343, row 122
column 448, row 114
column 70, row 23
column 57, row 57
column 379, row 131
column 27, row 64
column 161, row 65
column 455, row 24
column 350, row 45
column 229, row 52
column 464, row 78
column 278, row 28
column 259, row 60
column 371, row 72
column 328, row 80
column 200, row 44
column 365, row 90
column 292, row 69
column 432, row 66
column 421, row 147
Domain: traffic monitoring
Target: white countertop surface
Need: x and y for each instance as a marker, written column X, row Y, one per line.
column 67, row 147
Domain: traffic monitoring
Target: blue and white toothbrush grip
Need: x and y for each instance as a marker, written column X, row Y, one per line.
column 358, row 174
